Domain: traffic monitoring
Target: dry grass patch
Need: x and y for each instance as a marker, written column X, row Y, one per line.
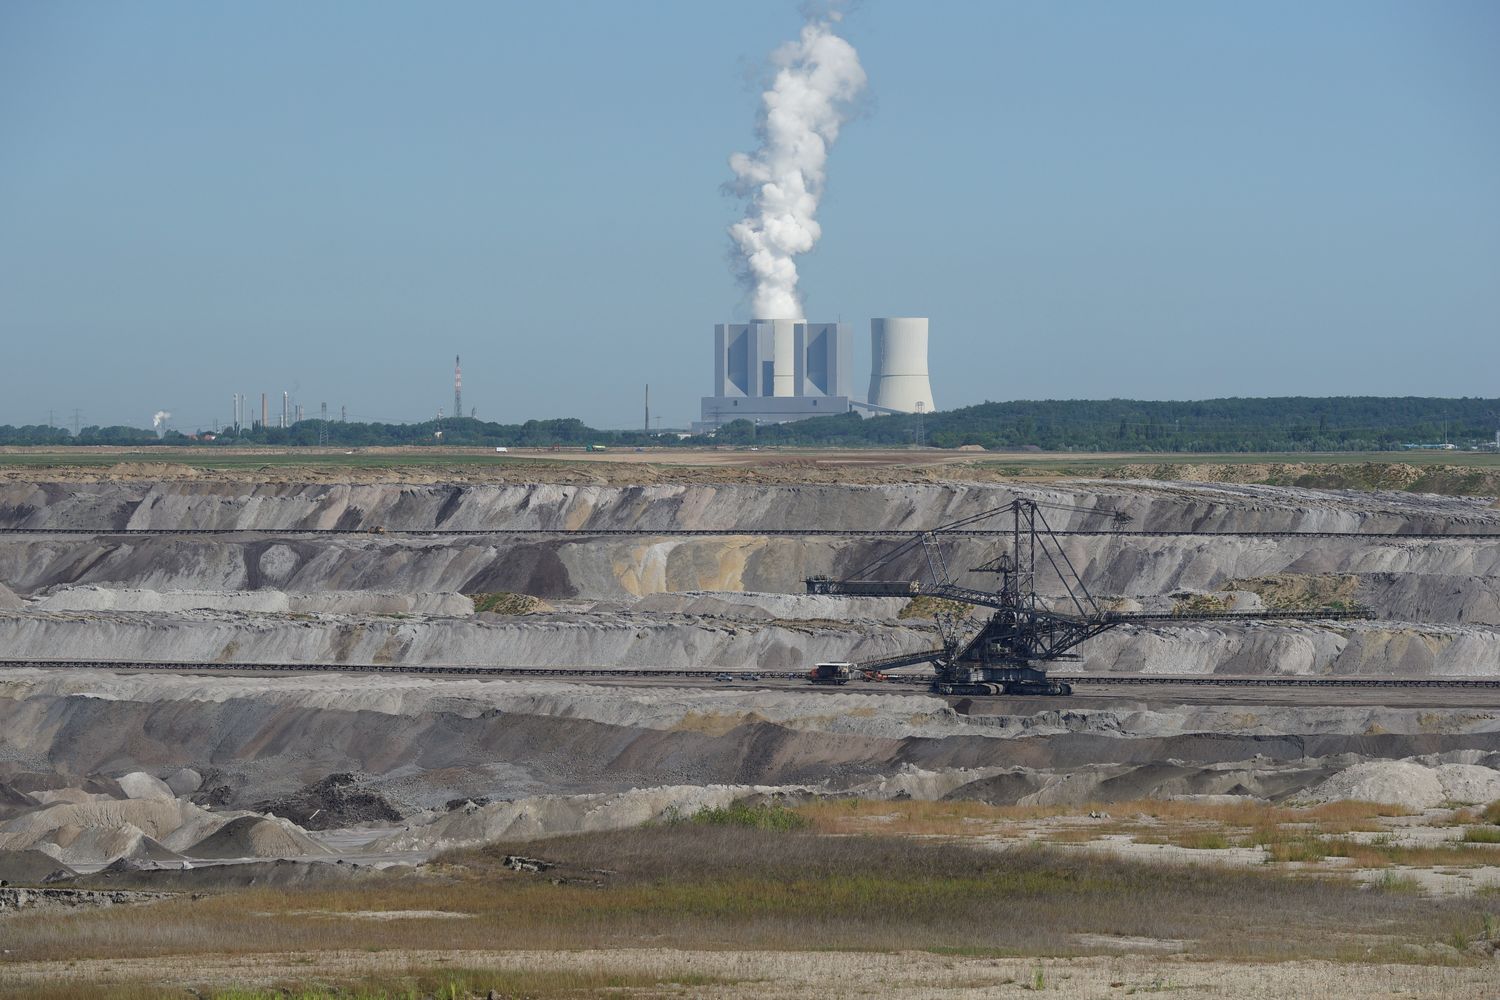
column 504, row 603
column 706, row 887
column 1452, row 855
column 415, row 983
column 1296, row 591
column 924, row 606
column 1173, row 818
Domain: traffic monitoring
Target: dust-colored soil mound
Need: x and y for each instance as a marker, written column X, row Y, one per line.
column 140, row 785
column 1411, row 784
column 102, row 845
column 157, row 817
column 257, row 837
column 14, row 802
column 8, row 599
column 335, row 801
column 30, row 867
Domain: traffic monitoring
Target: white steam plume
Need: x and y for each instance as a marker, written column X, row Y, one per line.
column 818, row 76
column 160, row 419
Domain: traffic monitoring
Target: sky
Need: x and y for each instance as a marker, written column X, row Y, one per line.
column 1173, row 199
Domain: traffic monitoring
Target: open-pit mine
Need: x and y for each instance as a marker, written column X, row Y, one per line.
column 221, row 680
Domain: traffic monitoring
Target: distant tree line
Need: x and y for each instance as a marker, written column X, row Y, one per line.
column 1336, row 423
column 1286, row 424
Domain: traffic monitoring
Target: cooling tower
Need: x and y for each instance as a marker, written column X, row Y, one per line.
column 898, row 364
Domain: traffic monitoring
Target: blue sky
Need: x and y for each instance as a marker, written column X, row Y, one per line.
column 1154, row 200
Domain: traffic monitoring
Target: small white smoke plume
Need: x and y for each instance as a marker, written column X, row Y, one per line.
column 817, row 79
column 159, row 421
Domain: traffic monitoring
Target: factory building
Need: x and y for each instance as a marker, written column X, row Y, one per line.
column 775, row 370
column 778, row 370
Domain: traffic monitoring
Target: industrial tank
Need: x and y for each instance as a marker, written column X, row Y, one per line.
column 898, row 364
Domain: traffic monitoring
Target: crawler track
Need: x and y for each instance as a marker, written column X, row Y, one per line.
column 650, row 673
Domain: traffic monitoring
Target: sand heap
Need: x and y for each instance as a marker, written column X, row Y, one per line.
column 1411, row 783
column 257, row 837
column 78, row 827
column 8, row 599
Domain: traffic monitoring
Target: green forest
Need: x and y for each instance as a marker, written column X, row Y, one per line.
column 1285, row 424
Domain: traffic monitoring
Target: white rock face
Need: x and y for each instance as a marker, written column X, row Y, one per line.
column 185, row 781
column 1393, row 782
column 8, row 599
column 1469, row 783
column 1409, row 783
column 140, row 785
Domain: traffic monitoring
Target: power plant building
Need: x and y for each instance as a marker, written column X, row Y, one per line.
column 779, row 370
column 776, row 370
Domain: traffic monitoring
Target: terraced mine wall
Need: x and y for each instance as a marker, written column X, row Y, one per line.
column 606, row 640
column 386, row 588
column 421, row 743
column 1441, row 576
column 125, row 504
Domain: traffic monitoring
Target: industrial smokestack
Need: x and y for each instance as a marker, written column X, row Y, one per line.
column 286, row 400
column 898, row 364
column 265, row 413
column 458, row 388
column 817, row 79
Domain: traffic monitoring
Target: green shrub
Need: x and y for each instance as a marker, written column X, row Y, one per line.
column 764, row 816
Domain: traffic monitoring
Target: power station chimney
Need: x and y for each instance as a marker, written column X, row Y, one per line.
column 286, row 401
column 458, row 388
column 648, row 408
column 265, row 413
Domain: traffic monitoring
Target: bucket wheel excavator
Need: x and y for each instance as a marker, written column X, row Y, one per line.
column 1011, row 651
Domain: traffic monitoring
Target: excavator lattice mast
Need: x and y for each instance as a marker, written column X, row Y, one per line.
column 1010, row 652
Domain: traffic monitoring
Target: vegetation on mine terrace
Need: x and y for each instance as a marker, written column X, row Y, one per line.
column 708, row 884
column 1286, row 424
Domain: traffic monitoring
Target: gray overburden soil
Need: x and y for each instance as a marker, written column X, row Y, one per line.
column 188, row 780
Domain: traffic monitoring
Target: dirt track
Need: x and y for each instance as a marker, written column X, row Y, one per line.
column 763, row 975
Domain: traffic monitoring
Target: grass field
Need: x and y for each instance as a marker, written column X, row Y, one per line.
column 696, row 885
column 765, row 882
